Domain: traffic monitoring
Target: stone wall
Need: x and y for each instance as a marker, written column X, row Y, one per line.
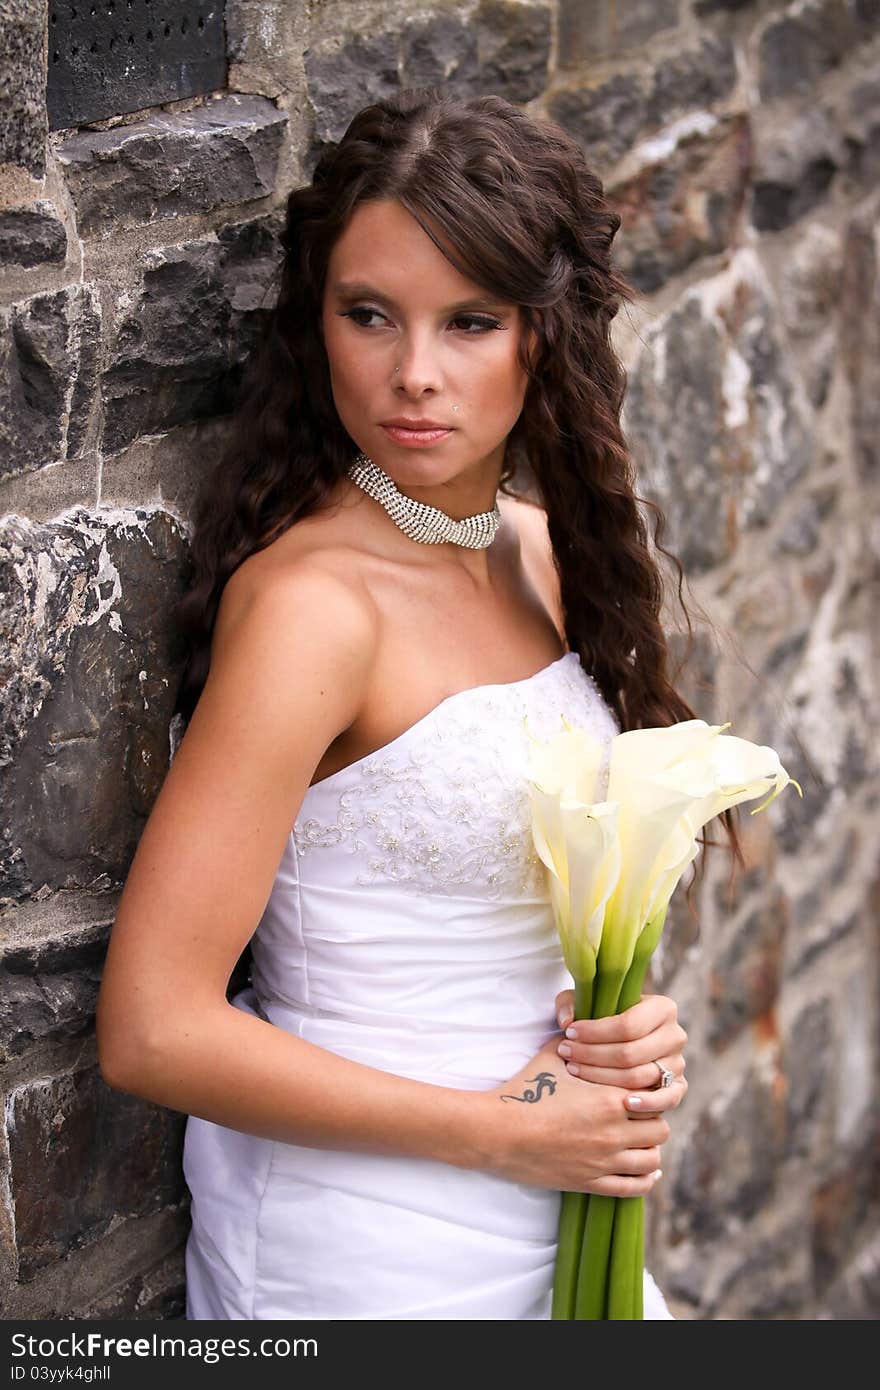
column 741, row 143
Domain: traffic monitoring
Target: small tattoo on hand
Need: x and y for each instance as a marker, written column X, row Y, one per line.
column 546, row 1081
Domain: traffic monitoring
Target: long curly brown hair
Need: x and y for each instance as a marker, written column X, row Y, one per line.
column 521, row 214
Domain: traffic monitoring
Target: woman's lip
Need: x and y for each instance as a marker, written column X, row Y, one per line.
column 416, row 437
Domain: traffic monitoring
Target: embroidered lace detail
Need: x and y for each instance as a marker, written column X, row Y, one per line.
column 445, row 805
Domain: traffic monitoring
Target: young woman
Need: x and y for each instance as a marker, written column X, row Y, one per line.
column 382, row 1121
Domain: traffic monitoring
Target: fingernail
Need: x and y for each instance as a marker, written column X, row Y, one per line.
column 565, row 1019
column 573, row 1068
column 564, row 1050
column 634, row 1101
column 571, row 1032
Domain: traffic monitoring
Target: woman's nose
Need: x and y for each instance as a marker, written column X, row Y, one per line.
column 417, row 366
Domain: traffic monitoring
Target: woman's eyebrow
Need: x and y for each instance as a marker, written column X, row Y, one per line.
column 357, row 289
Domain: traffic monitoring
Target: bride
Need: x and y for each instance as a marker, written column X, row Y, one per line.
column 381, row 1123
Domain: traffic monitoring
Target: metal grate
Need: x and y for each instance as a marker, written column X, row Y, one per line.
column 121, row 55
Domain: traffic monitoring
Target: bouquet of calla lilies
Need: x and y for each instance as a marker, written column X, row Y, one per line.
column 612, row 867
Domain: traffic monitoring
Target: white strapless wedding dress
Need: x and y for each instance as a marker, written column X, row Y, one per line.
column 408, row 928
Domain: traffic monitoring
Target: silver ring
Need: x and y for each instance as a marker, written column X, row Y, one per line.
column 666, row 1076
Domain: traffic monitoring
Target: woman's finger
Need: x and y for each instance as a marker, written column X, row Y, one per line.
column 565, row 1007
column 651, row 1012
column 641, row 1104
column 641, row 1078
column 667, row 1040
column 622, row 1186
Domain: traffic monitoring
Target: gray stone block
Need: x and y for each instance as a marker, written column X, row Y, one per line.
column 684, row 206
column 810, row 296
column 774, row 1279
column 672, row 421
column 692, row 79
column 808, row 1059
column 609, row 116
column 177, row 354
column 799, row 47
column 860, row 342
column 855, row 1296
column 173, row 163
column 594, row 28
column 797, row 159
column 48, row 373
column 32, row 234
column 845, row 1208
column 440, row 50
column 745, row 976
column 728, row 1168
column 86, row 709
column 49, row 986
column 606, row 117
column 713, row 417
column 343, row 75
column 80, row 1157
column 157, row 1293
column 795, row 163
column 514, row 48
column 802, row 534
column 502, row 47
column 23, row 119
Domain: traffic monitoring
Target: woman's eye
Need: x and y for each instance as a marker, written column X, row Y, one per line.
column 364, row 314
column 476, row 324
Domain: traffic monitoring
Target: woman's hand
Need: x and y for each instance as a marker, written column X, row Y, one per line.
column 545, row 1128
column 548, row 1129
column 624, row 1049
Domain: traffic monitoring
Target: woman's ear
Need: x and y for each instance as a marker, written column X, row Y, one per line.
column 533, row 335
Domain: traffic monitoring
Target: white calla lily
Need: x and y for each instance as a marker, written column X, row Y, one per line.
column 568, row 762
column 576, row 839
column 729, row 771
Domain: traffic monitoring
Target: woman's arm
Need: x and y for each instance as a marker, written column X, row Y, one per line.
column 289, row 666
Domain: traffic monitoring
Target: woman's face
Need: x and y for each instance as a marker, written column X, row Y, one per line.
column 408, row 338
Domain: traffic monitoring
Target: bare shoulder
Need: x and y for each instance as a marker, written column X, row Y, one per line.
column 293, row 651
column 530, row 520
column 305, row 591
column 315, row 565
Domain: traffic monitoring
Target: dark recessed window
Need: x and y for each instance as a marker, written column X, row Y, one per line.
column 114, row 57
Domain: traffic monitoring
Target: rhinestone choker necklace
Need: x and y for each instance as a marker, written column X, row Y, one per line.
column 419, row 520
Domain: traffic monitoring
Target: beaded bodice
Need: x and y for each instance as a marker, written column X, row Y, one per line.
column 443, row 807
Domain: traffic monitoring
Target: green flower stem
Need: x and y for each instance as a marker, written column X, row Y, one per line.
column 639, row 1266
column 621, row 1267
column 583, row 997
column 607, row 993
column 592, row 1279
column 592, row 1282
column 572, row 1209
column 631, row 990
column 572, row 1219
column 626, row 1276
column 644, row 950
